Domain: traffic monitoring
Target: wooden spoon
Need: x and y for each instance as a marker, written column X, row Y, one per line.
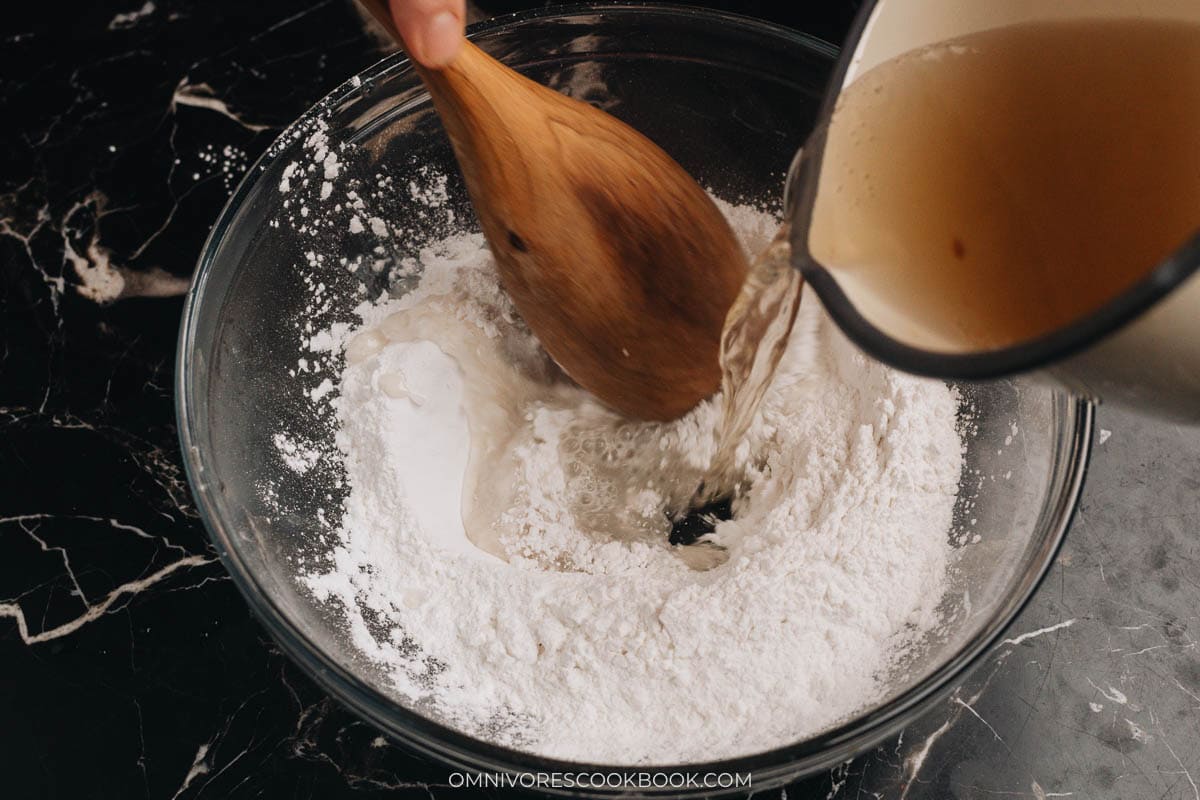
column 615, row 257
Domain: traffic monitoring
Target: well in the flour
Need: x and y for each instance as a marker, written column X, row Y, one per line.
column 472, row 462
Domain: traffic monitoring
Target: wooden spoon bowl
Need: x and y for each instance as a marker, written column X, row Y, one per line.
column 618, row 261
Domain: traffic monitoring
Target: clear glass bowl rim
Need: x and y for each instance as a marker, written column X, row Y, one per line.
column 769, row 768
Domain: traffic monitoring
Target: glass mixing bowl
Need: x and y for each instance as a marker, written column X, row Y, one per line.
column 731, row 99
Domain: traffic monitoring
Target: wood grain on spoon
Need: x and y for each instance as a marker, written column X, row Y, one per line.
column 615, row 257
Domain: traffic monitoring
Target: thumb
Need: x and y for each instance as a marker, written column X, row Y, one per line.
column 432, row 29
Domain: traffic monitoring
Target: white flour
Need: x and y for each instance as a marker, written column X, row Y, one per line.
column 595, row 640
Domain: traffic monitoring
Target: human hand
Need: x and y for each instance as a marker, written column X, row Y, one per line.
column 432, row 29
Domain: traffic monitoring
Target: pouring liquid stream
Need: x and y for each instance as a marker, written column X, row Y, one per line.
column 755, row 337
column 752, row 343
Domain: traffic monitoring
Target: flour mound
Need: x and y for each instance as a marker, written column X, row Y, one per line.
column 503, row 547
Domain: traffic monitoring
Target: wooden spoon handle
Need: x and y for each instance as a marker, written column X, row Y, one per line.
column 383, row 15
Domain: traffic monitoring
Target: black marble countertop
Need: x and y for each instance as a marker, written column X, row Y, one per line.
column 129, row 664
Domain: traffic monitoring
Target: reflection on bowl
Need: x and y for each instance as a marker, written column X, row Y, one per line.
column 731, row 99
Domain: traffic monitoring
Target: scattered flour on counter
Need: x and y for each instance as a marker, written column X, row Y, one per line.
column 502, row 551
